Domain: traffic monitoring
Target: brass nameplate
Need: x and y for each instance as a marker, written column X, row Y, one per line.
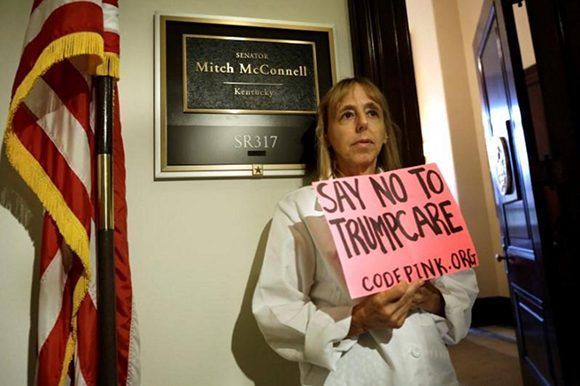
column 231, row 74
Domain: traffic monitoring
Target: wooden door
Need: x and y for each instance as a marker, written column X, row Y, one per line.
column 518, row 152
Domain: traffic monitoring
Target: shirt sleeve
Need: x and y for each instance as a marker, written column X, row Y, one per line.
column 295, row 327
column 459, row 291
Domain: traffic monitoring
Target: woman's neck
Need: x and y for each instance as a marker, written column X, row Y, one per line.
column 355, row 171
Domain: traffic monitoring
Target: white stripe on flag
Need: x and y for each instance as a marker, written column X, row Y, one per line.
column 52, row 285
column 134, row 363
column 63, row 129
column 111, row 18
column 79, row 378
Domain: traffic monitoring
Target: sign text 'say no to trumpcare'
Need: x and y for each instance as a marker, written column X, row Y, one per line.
column 402, row 225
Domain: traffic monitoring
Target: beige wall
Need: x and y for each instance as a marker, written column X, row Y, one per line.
column 524, row 35
column 17, row 252
column 451, row 120
column 469, row 12
column 194, row 243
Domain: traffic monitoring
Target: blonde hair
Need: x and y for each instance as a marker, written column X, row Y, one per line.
column 388, row 157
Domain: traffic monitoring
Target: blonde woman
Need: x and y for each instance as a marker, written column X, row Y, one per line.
column 301, row 302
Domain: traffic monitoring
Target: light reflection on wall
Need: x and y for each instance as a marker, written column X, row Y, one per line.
column 431, row 90
column 524, row 35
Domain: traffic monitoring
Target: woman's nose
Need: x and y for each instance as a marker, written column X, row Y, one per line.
column 362, row 123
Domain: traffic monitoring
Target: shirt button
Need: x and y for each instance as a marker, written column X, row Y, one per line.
column 416, row 352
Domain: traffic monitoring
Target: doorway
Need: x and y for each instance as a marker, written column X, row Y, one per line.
column 517, row 47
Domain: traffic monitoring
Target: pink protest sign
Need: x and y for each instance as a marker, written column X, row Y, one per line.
column 402, row 225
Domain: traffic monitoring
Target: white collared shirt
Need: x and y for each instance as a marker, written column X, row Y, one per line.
column 303, row 308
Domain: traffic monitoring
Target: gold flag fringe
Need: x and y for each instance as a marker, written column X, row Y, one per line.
column 109, row 66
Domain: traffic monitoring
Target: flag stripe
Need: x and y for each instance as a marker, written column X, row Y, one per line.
column 79, row 379
column 122, row 269
column 72, row 143
column 132, row 370
column 43, row 11
column 52, row 279
column 111, row 42
column 52, row 352
column 111, row 18
column 66, row 20
column 74, row 91
column 50, row 296
column 56, row 167
column 86, row 345
column 87, row 355
column 51, row 240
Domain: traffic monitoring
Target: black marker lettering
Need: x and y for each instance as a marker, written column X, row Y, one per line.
column 320, row 189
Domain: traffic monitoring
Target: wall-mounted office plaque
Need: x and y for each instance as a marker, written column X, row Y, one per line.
column 237, row 97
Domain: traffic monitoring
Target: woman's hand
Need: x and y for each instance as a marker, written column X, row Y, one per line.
column 429, row 298
column 387, row 309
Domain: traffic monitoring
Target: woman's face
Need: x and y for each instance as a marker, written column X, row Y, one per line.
column 356, row 133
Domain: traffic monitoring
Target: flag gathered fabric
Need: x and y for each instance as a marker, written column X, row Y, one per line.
column 49, row 140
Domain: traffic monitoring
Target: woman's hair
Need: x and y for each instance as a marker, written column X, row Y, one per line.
column 388, row 157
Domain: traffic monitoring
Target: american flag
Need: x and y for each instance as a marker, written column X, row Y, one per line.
column 50, row 141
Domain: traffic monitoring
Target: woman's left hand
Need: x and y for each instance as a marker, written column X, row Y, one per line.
column 429, row 298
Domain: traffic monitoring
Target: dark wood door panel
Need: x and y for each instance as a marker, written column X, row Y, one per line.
column 534, row 355
column 506, row 115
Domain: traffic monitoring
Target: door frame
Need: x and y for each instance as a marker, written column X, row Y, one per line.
column 556, row 41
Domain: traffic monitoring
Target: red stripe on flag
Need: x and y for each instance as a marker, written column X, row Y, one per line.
column 122, row 268
column 88, row 337
column 74, row 92
column 43, row 150
column 65, row 20
column 51, row 241
column 51, row 355
column 111, row 42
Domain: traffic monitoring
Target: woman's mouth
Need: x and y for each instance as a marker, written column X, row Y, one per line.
column 363, row 142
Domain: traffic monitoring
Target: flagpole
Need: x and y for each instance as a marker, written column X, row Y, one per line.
column 104, row 94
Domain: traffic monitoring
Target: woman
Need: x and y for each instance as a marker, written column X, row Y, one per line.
column 301, row 302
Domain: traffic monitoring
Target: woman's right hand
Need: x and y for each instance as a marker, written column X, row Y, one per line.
column 387, row 309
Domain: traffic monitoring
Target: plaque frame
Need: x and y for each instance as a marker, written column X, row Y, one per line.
column 294, row 32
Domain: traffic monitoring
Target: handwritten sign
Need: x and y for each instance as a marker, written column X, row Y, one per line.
column 402, row 225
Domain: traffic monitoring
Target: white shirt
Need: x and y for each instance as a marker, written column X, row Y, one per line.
column 303, row 308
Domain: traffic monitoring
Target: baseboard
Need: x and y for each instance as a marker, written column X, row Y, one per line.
column 492, row 311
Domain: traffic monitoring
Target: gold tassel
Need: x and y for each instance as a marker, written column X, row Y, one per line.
column 33, row 174
column 76, row 44
column 110, row 66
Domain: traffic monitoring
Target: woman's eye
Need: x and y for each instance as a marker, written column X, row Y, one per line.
column 346, row 115
column 373, row 113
